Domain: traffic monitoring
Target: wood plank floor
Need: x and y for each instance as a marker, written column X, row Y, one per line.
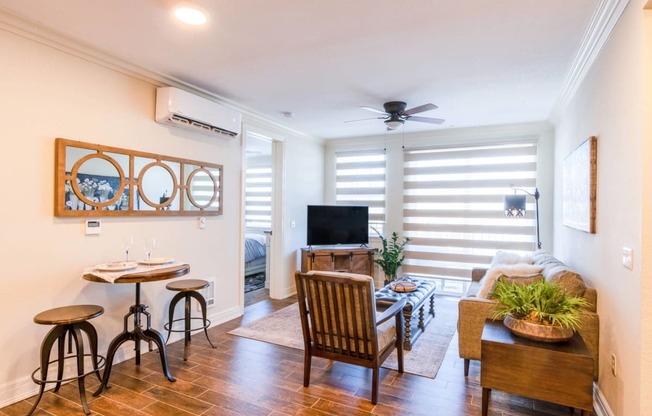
column 246, row 377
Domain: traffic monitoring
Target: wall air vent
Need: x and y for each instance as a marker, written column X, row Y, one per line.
column 209, row 292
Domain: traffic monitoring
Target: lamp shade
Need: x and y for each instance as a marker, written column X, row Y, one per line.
column 515, row 205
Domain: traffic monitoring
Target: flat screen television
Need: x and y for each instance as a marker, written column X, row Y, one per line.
column 337, row 224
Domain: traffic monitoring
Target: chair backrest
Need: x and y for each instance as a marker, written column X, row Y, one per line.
column 338, row 313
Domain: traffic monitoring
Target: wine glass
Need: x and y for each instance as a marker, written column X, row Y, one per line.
column 127, row 243
column 150, row 245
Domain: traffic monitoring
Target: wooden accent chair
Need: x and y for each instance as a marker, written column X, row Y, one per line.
column 339, row 322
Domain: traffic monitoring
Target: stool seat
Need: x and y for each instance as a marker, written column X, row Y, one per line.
column 187, row 285
column 68, row 314
column 70, row 321
column 187, row 289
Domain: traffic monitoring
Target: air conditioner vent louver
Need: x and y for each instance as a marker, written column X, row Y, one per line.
column 182, row 109
column 177, row 119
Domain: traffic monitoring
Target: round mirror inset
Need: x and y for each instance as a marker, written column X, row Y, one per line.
column 202, row 188
column 157, row 185
column 99, row 181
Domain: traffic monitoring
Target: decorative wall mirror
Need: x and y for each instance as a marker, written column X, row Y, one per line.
column 94, row 180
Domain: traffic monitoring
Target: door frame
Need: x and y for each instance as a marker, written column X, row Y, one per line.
column 275, row 252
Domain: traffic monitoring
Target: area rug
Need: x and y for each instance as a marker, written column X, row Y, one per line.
column 254, row 282
column 283, row 327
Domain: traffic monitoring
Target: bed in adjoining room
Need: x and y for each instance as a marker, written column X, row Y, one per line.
column 255, row 254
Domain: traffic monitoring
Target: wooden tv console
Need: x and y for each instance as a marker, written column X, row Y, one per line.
column 345, row 259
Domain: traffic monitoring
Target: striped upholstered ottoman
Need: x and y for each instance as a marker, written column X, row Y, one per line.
column 418, row 311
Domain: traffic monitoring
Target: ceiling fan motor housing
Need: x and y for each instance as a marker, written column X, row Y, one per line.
column 394, row 107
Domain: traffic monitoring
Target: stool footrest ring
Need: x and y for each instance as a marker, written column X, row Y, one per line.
column 167, row 326
column 101, row 361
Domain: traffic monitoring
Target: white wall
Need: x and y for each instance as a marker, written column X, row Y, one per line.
column 609, row 105
column 46, row 94
column 646, row 240
column 304, row 185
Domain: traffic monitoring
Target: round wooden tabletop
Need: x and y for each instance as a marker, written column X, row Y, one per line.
column 146, row 276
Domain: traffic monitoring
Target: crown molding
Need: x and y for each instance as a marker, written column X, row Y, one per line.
column 602, row 23
column 29, row 29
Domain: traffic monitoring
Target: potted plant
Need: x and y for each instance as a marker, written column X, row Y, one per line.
column 542, row 311
column 391, row 255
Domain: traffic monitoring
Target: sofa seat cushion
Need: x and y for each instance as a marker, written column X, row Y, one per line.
column 473, row 289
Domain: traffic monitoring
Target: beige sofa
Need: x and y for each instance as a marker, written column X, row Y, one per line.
column 473, row 311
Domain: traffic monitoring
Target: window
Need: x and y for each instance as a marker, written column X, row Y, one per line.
column 453, row 207
column 258, row 197
column 360, row 180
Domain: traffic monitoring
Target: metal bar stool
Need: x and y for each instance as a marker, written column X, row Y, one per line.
column 187, row 289
column 71, row 321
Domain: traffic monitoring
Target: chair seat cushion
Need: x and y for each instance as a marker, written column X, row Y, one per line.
column 386, row 334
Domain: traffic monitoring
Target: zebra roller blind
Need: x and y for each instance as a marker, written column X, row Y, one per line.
column 360, row 180
column 258, row 197
column 453, row 206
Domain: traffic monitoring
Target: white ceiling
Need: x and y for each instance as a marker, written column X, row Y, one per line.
column 482, row 62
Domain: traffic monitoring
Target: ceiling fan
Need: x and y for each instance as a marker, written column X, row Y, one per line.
column 395, row 114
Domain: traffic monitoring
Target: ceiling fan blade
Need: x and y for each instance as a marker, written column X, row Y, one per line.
column 427, row 120
column 363, row 119
column 372, row 109
column 420, row 109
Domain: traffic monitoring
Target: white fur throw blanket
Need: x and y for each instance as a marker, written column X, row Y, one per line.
column 507, row 257
column 520, row 270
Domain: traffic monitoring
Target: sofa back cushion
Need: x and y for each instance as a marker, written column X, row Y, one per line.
column 557, row 272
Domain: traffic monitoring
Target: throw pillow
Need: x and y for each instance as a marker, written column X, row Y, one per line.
column 488, row 282
column 520, row 280
column 508, row 257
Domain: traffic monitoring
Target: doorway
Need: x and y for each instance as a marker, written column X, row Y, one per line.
column 258, row 217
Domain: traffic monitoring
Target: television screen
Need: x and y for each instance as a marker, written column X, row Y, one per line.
column 337, row 224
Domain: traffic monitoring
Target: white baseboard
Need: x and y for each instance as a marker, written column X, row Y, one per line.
column 17, row 390
column 24, row 387
column 290, row 291
column 600, row 404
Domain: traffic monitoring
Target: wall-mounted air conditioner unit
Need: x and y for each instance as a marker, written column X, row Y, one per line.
column 182, row 109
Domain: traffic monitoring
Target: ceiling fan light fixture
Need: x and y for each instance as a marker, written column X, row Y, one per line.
column 393, row 124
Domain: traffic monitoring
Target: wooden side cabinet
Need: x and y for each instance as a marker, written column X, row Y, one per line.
column 560, row 373
column 350, row 260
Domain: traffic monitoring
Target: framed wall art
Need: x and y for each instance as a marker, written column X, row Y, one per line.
column 97, row 180
column 580, row 186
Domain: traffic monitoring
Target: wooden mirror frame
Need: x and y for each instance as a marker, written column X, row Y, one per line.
column 128, row 185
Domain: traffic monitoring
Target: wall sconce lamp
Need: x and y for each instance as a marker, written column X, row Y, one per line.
column 515, row 206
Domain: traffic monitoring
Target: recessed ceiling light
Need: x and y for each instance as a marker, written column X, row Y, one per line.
column 190, row 15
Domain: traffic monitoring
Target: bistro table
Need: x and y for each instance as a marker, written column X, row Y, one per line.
column 138, row 334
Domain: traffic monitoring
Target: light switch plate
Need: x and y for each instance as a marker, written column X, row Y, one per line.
column 628, row 261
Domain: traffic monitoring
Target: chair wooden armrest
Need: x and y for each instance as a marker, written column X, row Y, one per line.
column 397, row 307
